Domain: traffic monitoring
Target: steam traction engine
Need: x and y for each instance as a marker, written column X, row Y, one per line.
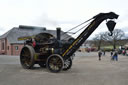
column 55, row 54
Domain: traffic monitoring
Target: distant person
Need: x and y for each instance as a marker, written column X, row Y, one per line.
column 111, row 55
column 99, row 54
column 115, row 55
column 104, row 52
column 124, row 52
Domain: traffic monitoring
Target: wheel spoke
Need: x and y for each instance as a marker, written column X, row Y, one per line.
column 26, row 57
column 55, row 63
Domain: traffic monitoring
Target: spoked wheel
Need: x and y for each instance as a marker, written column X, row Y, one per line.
column 55, row 63
column 67, row 64
column 27, row 57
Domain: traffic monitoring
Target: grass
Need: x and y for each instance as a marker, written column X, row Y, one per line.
column 108, row 48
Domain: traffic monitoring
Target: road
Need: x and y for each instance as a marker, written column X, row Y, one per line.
column 86, row 70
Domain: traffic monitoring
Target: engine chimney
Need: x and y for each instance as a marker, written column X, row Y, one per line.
column 58, row 29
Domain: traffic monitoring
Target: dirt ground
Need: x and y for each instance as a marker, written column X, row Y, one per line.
column 86, row 70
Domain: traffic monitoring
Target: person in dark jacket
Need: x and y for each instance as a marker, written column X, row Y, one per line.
column 115, row 56
column 99, row 54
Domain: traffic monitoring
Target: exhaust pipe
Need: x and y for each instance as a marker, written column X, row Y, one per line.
column 58, row 30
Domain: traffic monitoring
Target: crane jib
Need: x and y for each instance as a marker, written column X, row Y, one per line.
column 74, row 43
column 97, row 20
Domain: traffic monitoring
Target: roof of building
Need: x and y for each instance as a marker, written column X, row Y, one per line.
column 21, row 31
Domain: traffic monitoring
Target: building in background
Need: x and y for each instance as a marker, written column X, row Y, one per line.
column 9, row 44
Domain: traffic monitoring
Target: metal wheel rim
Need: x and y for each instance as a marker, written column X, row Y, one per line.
column 55, row 63
column 26, row 57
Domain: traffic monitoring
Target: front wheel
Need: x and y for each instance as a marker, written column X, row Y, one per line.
column 55, row 63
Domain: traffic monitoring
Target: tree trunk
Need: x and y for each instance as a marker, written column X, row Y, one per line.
column 99, row 45
column 114, row 44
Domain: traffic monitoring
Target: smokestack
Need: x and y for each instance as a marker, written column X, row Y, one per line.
column 58, row 30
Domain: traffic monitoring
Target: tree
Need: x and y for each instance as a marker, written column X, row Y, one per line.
column 118, row 34
column 98, row 40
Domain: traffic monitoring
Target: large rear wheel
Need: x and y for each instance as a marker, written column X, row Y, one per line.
column 55, row 63
column 27, row 57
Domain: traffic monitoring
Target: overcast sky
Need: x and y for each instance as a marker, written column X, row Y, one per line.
column 59, row 13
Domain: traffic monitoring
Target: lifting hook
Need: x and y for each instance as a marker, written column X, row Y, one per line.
column 111, row 25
